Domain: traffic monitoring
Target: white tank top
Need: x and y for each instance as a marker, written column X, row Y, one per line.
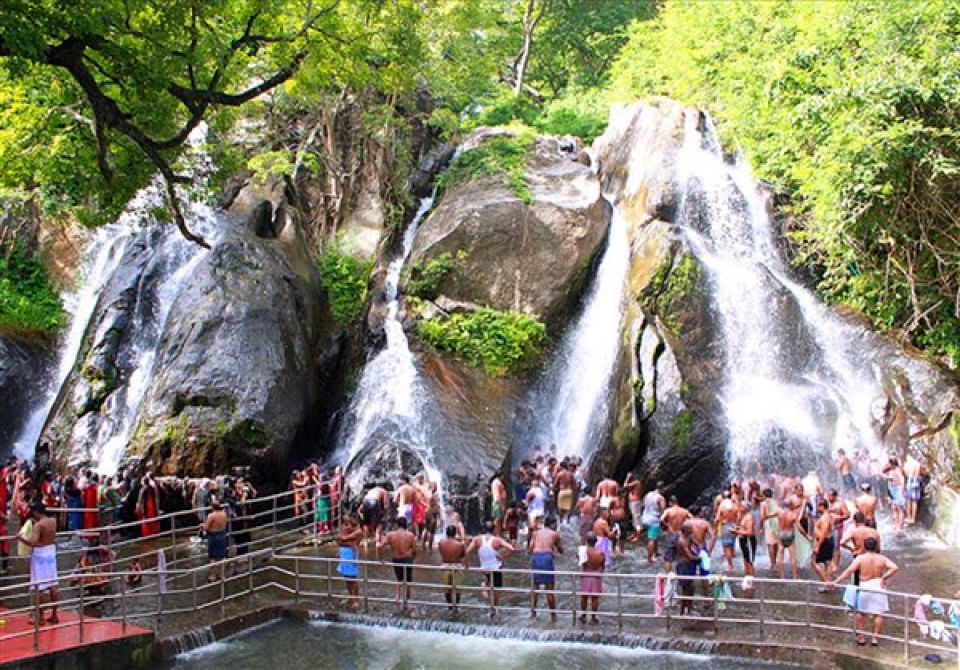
column 651, row 508
column 536, row 505
column 489, row 560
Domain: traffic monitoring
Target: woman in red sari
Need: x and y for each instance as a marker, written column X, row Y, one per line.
column 91, row 499
column 148, row 506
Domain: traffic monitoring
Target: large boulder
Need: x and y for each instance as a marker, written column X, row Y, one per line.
column 240, row 363
column 503, row 252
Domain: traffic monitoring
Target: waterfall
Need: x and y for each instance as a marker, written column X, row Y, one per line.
column 101, row 257
column 572, row 402
column 790, row 376
column 387, row 409
column 169, row 262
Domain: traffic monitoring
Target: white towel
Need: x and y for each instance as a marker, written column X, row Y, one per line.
column 43, row 567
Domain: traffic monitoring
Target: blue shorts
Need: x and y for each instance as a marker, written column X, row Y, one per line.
column 347, row 567
column 653, row 531
column 217, row 545
column 541, row 562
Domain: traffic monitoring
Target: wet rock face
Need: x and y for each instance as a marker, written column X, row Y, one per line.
column 510, row 255
column 241, row 359
column 24, row 368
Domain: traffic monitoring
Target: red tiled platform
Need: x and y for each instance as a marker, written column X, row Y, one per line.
column 57, row 639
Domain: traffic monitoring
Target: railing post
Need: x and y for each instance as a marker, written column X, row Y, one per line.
column 619, row 604
column 159, row 603
column 533, row 594
column 716, row 605
column 36, row 618
column 329, row 578
column 223, row 581
column 906, row 630
column 454, row 593
column 807, row 594
column 81, row 611
column 296, row 579
column 123, row 604
column 249, row 573
column 273, row 526
column 490, row 595
column 404, row 587
column 193, row 579
column 763, row 630
column 173, row 539
column 573, row 593
column 365, row 587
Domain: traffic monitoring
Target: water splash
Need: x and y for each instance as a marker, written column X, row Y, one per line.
column 574, row 397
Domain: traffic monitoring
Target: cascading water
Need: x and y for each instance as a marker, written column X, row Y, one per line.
column 789, row 375
column 390, row 399
column 572, row 403
column 102, row 255
column 103, row 435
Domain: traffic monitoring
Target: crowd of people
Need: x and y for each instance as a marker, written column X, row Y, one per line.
column 802, row 522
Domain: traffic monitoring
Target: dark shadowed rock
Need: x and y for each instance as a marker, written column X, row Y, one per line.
column 240, row 360
column 24, row 371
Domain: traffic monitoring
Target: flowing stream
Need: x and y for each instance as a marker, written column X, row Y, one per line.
column 572, row 401
column 386, row 413
column 790, row 375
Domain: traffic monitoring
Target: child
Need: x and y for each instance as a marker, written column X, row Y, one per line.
column 323, row 509
column 136, row 577
column 512, row 521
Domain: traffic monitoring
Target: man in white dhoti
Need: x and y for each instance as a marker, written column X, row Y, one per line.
column 43, row 559
column 875, row 569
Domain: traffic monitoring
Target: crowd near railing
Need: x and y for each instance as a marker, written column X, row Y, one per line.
column 175, row 593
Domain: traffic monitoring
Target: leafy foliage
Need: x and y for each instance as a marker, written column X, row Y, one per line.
column 425, row 277
column 503, row 156
column 345, row 279
column 28, row 303
column 848, row 107
column 500, row 342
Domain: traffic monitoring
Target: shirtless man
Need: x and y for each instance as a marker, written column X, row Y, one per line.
column 634, row 490
column 866, row 503
column 563, row 483
column 452, row 553
column 43, row 560
column 215, row 529
column 618, row 515
column 855, row 538
column 896, row 485
column 845, row 469
column 747, row 538
column 376, row 502
column 787, row 520
column 671, row 520
column 824, row 544
column 913, row 471
column 606, row 492
column 498, row 507
column 586, row 513
column 875, row 569
column 348, row 544
column 404, row 498
column 770, row 526
column 542, row 545
column 840, row 513
column 727, row 516
column 403, row 547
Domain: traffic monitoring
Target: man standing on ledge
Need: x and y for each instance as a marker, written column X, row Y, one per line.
column 403, row 546
column 875, row 569
column 43, row 559
column 215, row 528
column 541, row 546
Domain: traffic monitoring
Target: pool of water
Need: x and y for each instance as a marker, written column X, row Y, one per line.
column 292, row 644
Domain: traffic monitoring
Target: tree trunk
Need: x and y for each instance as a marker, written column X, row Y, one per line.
column 531, row 17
